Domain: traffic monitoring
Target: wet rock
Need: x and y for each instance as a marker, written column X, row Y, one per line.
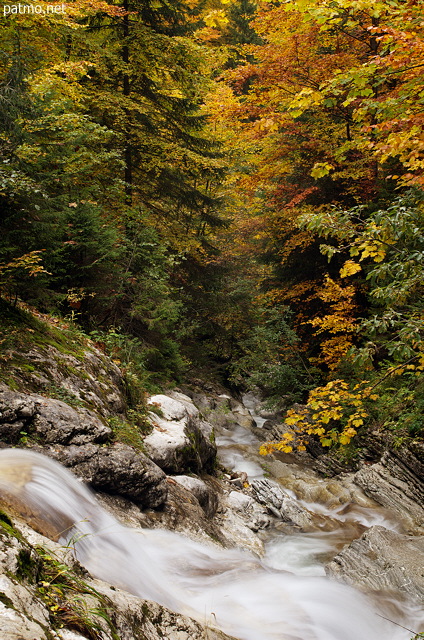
column 118, row 469
column 394, row 483
column 241, row 530
column 182, row 512
column 25, row 616
column 137, row 618
column 253, row 514
column 207, row 497
column 280, row 504
column 181, row 440
column 383, row 560
column 48, row 420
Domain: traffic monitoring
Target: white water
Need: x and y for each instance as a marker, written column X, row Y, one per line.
column 231, row 589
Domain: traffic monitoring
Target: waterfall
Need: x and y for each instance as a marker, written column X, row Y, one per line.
column 226, row 588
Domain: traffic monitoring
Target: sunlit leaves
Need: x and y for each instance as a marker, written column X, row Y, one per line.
column 333, row 414
column 349, row 268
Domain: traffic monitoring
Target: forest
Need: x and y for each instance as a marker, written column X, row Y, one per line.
column 227, row 189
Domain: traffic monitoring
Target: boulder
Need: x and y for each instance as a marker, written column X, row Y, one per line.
column 207, row 497
column 118, row 470
column 383, row 560
column 253, row 514
column 48, row 421
column 180, row 440
column 87, row 376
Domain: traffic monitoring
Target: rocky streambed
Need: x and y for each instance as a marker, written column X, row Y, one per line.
column 266, row 526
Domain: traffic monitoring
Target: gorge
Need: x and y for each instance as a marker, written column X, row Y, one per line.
column 277, row 527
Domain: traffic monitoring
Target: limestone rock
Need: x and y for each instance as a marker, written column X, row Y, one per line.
column 118, row 469
column 25, row 616
column 207, row 498
column 280, row 504
column 89, row 377
column 137, row 618
column 383, row 560
column 181, row 440
column 48, row 420
column 394, row 484
column 253, row 514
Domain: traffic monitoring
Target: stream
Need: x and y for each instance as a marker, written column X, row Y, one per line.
column 282, row 596
column 334, row 527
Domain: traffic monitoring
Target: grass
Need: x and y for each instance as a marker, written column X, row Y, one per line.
column 67, row 597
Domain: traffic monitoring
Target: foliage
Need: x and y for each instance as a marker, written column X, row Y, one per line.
column 108, row 169
column 333, row 413
column 12, row 273
column 389, row 247
column 271, row 359
column 65, row 594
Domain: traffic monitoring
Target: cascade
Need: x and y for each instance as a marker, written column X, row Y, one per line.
column 228, row 588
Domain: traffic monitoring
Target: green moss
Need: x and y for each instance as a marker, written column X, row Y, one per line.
column 127, row 433
column 7, row 525
column 28, row 566
column 4, row 519
column 19, row 329
column 27, row 367
column 6, row 601
column 61, row 393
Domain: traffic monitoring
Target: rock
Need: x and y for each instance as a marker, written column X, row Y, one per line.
column 22, row 615
column 394, row 484
column 207, row 498
column 135, row 618
column 48, row 420
column 280, row 504
column 180, row 440
column 239, row 501
column 182, row 512
column 87, row 376
column 118, row 469
column 252, row 513
column 383, row 560
column 89, row 605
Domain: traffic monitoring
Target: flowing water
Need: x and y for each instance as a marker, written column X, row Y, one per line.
column 281, row 597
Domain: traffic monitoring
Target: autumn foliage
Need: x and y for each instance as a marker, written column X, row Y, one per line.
column 246, row 176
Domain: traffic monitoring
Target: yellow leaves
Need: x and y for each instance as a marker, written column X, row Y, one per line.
column 372, row 249
column 216, row 18
column 321, row 169
column 349, row 268
column 305, row 99
column 284, row 448
column 333, row 413
column 340, row 321
column 30, row 262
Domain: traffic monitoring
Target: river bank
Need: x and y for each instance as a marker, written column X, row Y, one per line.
column 266, row 525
